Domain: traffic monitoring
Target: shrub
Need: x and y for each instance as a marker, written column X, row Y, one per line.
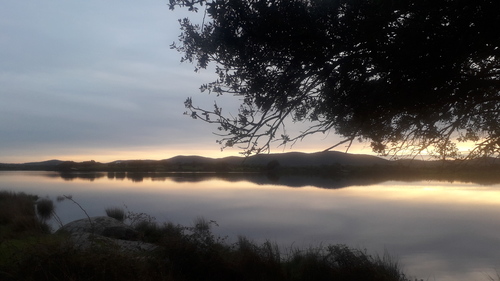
column 17, row 215
column 134, row 218
column 45, row 208
column 339, row 262
column 116, row 213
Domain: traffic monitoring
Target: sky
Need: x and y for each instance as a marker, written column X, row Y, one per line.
column 97, row 80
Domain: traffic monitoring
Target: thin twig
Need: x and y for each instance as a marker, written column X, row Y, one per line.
column 88, row 217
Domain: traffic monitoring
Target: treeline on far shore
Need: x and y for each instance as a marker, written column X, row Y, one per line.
column 273, row 171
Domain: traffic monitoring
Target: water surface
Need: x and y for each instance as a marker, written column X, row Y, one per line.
column 436, row 230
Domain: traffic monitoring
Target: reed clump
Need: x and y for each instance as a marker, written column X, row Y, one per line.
column 184, row 253
column 18, row 215
column 116, row 213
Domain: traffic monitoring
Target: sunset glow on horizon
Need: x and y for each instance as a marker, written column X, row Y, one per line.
column 160, row 152
column 105, row 156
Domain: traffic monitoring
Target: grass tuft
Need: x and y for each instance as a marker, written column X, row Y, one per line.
column 18, row 217
column 45, row 208
column 116, row 213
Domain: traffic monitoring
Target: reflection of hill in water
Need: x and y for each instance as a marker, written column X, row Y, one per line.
column 287, row 180
column 297, row 181
column 256, row 178
column 294, row 181
column 90, row 176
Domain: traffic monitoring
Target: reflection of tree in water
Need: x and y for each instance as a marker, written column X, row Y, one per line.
column 90, row 176
column 293, row 179
column 256, row 178
column 135, row 177
column 120, row 175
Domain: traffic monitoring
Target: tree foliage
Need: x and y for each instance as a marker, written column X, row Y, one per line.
column 408, row 76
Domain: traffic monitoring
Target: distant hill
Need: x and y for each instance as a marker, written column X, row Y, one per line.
column 290, row 159
column 297, row 159
column 44, row 165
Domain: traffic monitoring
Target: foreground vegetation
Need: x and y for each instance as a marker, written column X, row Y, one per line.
column 29, row 251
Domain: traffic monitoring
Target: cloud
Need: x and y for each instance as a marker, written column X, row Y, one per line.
column 91, row 76
column 98, row 76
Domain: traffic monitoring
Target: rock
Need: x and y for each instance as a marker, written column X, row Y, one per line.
column 105, row 226
column 105, row 232
column 85, row 240
column 119, row 232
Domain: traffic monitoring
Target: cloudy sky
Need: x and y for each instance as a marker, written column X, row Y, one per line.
column 82, row 80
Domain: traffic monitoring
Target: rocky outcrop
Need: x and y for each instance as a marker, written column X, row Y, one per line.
column 104, row 226
column 105, row 232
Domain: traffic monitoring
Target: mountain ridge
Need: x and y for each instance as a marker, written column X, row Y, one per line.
column 288, row 159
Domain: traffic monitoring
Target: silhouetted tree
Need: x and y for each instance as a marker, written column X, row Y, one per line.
column 407, row 76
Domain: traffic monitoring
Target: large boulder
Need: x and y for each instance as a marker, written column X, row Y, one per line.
column 104, row 232
column 105, row 226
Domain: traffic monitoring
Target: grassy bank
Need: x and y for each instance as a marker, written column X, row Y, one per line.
column 28, row 251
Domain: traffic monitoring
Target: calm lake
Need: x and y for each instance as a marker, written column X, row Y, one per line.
column 436, row 230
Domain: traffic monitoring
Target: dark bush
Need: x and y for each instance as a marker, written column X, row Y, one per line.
column 45, row 208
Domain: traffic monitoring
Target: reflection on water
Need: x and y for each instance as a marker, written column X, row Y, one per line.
column 256, row 178
column 437, row 230
column 289, row 180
